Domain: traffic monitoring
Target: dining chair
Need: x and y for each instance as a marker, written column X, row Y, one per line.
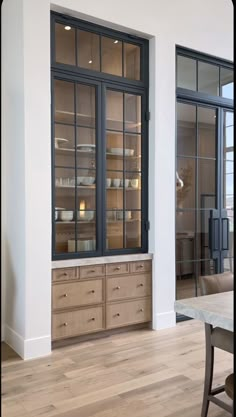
column 229, row 388
column 215, row 338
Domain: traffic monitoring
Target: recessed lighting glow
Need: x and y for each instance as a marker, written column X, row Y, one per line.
column 116, row 41
column 90, row 62
column 67, row 27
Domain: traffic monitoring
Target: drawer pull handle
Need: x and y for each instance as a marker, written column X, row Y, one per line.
column 141, row 309
column 65, row 324
column 118, row 287
column 65, row 274
column 92, row 291
column 117, row 268
column 93, row 318
column 141, row 285
column 140, row 266
column 65, row 295
column 118, row 314
column 92, row 270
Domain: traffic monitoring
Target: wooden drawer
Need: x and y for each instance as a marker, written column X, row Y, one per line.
column 119, row 288
column 141, row 266
column 129, row 312
column 65, row 274
column 117, row 269
column 77, row 322
column 92, row 271
column 75, row 294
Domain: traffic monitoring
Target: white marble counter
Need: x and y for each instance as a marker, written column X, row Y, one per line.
column 101, row 260
column 215, row 309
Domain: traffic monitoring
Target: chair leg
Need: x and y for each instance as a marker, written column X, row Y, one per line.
column 209, row 365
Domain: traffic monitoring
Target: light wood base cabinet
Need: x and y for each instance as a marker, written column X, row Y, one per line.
column 95, row 298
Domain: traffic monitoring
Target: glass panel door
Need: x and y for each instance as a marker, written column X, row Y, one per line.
column 196, row 195
column 228, row 186
column 75, row 167
column 123, row 170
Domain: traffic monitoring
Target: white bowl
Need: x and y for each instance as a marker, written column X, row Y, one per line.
column 79, row 180
column 88, row 180
column 129, row 152
column 66, row 216
column 116, row 151
column 120, row 215
column 85, row 215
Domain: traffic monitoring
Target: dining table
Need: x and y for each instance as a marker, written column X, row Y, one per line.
column 214, row 310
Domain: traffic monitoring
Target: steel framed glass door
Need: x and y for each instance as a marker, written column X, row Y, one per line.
column 204, row 196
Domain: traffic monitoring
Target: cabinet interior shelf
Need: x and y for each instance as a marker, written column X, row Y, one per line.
column 93, row 187
column 87, row 116
column 58, row 222
column 71, row 151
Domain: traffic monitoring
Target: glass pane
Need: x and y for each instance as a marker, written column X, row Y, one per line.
column 202, row 238
column 206, row 132
column 186, row 73
column 64, row 145
column 114, row 195
column 114, row 110
column 65, row 192
column 229, row 264
column 86, row 147
column 86, row 203
column 114, row 151
column 228, row 135
column 186, row 280
column 88, row 50
column 185, row 235
column 65, row 44
column 186, row 129
column 206, row 179
column 228, row 179
column 132, row 228
column 65, row 232
column 132, row 192
column 208, row 78
column 111, row 56
column 131, row 61
column 227, row 83
column 207, row 267
column 186, row 172
column 64, row 110
column 85, row 105
column 86, row 235
column 132, row 113
column 115, row 228
column 132, row 152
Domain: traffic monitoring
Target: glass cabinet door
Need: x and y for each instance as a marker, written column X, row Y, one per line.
column 74, row 167
column 123, row 170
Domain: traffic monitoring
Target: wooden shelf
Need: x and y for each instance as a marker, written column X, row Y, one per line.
column 71, row 151
column 93, row 187
column 60, row 222
column 87, row 116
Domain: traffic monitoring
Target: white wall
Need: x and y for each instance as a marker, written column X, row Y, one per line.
column 206, row 26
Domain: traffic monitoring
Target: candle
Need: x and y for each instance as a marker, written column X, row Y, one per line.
column 82, row 208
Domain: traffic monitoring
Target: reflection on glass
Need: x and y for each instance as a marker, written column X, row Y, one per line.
column 64, row 102
column 206, row 132
column 132, row 113
column 114, row 195
column 85, row 105
column 186, row 171
column 65, row 44
column 114, row 110
column 208, row 78
column 131, row 61
column 186, row 73
column 228, row 135
column 229, row 265
column 227, row 83
column 132, row 228
column 65, row 233
column 64, row 145
column 88, row 50
column 132, row 192
column 114, row 150
column 186, row 129
column 206, row 179
column 111, row 55
column 86, row 236
column 185, row 235
column 132, row 152
column 186, row 280
column 202, row 237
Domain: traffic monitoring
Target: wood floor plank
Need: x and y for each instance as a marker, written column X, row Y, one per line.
column 140, row 373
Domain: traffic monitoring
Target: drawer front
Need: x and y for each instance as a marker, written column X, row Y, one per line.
column 65, row 274
column 92, row 271
column 141, row 266
column 73, row 323
column 129, row 312
column 75, row 294
column 117, row 269
column 119, row 288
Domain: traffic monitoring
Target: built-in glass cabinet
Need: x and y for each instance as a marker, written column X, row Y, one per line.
column 99, row 140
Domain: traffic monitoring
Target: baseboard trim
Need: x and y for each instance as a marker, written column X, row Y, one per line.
column 164, row 320
column 28, row 348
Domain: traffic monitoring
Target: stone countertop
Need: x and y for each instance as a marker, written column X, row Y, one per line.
column 215, row 309
column 101, row 260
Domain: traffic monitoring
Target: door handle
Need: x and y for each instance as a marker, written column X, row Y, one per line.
column 214, row 233
column 225, row 234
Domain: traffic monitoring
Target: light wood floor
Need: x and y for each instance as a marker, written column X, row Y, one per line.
column 137, row 374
